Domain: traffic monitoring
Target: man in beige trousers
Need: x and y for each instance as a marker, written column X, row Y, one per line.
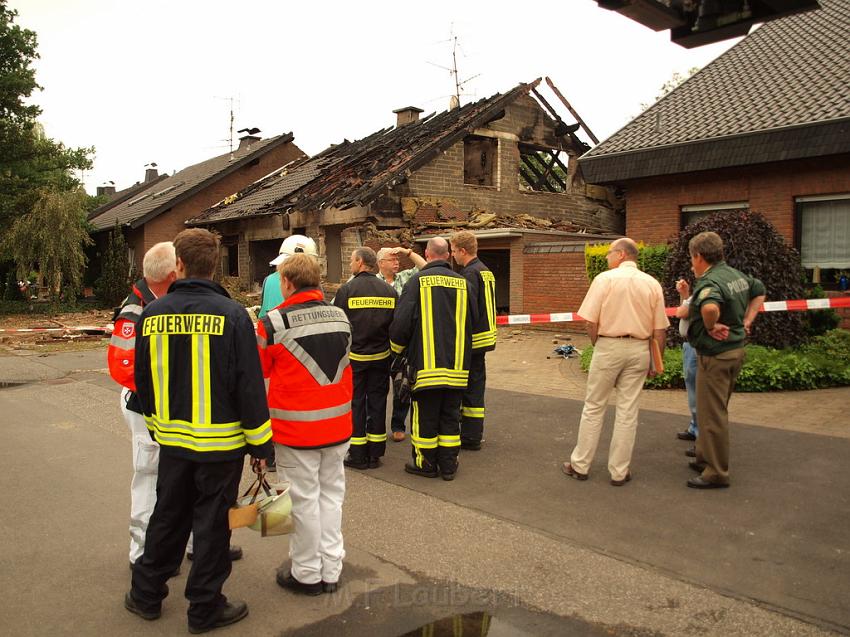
column 624, row 309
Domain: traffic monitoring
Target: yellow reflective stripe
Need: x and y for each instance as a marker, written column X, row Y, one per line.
column 369, row 357
column 439, row 382
column 428, row 353
column 199, row 430
column 376, row 437
column 414, row 432
column 489, row 281
column 358, row 441
column 396, row 348
column 448, row 441
column 260, row 435
column 424, row 443
column 382, row 302
column 472, row 412
column 442, row 371
column 159, row 370
column 187, row 442
column 460, row 327
column 201, row 382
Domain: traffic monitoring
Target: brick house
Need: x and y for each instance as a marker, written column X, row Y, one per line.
column 504, row 166
column 765, row 126
column 156, row 209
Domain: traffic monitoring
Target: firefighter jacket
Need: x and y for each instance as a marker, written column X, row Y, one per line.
column 482, row 295
column 432, row 328
column 369, row 303
column 121, row 354
column 198, row 376
column 304, row 345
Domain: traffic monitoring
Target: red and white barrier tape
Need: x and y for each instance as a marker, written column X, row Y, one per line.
column 797, row 305
column 36, row 330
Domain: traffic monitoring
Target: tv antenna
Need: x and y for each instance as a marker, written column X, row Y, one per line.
column 229, row 139
column 458, row 83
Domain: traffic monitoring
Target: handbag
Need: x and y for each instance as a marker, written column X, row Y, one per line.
column 246, row 510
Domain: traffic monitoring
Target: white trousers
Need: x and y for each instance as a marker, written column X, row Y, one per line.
column 317, row 487
column 143, row 485
column 621, row 364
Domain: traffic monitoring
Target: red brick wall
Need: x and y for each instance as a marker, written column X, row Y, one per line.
column 554, row 283
column 166, row 226
column 653, row 205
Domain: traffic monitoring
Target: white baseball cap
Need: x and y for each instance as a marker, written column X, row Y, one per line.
column 293, row 245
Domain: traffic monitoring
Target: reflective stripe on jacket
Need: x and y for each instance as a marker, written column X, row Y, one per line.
column 304, row 345
column 121, row 354
column 198, row 376
column 432, row 327
column 482, row 294
column 369, row 303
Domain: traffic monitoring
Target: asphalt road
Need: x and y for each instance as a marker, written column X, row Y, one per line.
column 511, row 538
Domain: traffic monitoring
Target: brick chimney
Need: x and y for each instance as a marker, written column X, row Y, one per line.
column 151, row 172
column 106, row 190
column 407, row 115
column 250, row 137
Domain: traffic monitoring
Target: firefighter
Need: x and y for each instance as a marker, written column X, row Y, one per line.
column 482, row 295
column 432, row 329
column 304, row 345
column 369, row 303
column 200, row 388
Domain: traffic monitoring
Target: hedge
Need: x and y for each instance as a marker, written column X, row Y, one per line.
column 824, row 362
column 651, row 259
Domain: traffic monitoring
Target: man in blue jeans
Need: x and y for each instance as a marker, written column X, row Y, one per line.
column 689, row 364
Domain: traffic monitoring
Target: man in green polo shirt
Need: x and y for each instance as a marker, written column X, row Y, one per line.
column 724, row 304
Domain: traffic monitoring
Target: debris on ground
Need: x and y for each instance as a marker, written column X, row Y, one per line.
column 566, row 351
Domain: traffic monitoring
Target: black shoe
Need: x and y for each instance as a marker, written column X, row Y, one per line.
column 130, row 605
column 470, row 445
column 330, row 587
column 235, row 554
column 700, row 483
column 348, row 461
column 699, row 467
column 448, row 475
column 374, row 463
column 230, row 613
column 685, row 435
column 287, row 581
column 425, row 473
column 691, row 452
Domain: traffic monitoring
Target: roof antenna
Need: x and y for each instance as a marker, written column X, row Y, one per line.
column 454, row 100
column 229, row 139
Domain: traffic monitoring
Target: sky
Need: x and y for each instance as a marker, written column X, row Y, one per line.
column 152, row 81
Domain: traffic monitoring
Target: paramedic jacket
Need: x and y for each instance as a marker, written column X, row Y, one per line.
column 482, row 294
column 121, row 355
column 198, row 376
column 432, row 328
column 369, row 303
column 304, row 344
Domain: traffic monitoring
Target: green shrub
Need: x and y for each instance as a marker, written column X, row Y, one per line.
column 651, row 259
column 825, row 362
column 115, row 276
column 753, row 246
column 819, row 322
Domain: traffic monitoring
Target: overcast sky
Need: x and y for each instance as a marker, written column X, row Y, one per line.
column 147, row 81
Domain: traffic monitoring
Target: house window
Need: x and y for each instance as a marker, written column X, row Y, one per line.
column 823, row 230
column 479, row 160
column 542, row 169
column 696, row 212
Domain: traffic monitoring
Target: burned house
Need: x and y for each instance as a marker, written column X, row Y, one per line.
column 504, row 167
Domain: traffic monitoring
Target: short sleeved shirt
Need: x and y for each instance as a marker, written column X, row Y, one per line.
column 731, row 291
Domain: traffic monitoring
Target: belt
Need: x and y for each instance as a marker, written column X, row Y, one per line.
column 625, row 336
